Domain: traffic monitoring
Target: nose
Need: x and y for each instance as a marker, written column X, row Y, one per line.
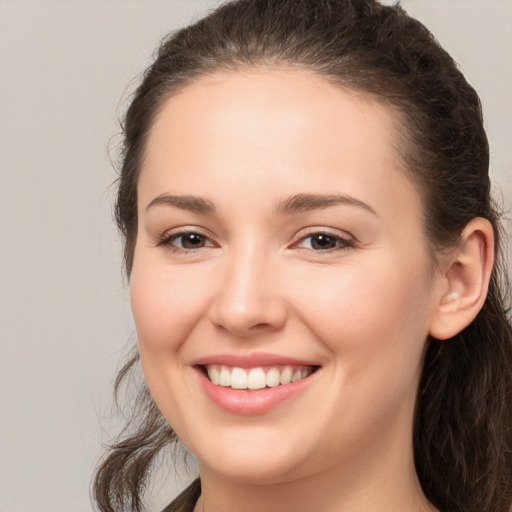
column 248, row 299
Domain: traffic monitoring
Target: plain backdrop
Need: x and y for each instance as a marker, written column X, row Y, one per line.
column 66, row 69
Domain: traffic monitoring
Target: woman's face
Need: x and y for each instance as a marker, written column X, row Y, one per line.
column 279, row 240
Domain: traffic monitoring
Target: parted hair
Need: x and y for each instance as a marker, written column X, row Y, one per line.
column 463, row 416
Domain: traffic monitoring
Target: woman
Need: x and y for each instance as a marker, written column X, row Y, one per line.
column 311, row 246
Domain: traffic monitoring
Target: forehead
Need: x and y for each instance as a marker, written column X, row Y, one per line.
column 279, row 130
column 252, row 105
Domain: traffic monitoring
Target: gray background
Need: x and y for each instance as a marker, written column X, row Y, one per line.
column 64, row 310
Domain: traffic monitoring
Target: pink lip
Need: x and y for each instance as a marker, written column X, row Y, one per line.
column 252, row 360
column 245, row 402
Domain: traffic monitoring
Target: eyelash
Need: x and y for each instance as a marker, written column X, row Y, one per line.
column 341, row 242
column 166, row 241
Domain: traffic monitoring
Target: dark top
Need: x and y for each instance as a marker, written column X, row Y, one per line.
column 186, row 501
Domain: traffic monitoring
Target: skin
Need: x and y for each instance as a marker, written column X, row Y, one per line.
column 361, row 311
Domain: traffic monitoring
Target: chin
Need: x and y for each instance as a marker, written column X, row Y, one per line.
column 246, row 470
column 250, row 459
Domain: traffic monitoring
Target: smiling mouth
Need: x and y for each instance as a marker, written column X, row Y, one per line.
column 253, row 379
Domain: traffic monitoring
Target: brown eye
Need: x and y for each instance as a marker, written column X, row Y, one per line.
column 324, row 242
column 192, row 241
column 321, row 242
column 189, row 241
column 185, row 241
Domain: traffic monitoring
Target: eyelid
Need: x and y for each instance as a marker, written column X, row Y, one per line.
column 165, row 239
column 348, row 240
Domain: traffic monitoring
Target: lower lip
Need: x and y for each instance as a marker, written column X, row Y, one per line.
column 242, row 401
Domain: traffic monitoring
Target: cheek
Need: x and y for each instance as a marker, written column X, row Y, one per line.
column 165, row 304
column 374, row 325
column 166, row 307
column 370, row 313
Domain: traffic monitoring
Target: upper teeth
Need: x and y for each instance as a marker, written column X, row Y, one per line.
column 256, row 378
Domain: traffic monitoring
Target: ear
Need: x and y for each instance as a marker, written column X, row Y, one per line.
column 464, row 280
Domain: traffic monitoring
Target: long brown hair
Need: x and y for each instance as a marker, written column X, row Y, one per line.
column 463, row 420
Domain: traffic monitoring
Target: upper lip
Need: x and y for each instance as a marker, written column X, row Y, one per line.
column 252, row 360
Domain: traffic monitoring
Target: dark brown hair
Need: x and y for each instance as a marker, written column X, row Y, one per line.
column 463, row 420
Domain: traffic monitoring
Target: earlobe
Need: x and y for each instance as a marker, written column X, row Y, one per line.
column 464, row 280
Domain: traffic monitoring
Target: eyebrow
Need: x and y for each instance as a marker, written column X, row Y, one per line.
column 191, row 203
column 305, row 202
column 294, row 204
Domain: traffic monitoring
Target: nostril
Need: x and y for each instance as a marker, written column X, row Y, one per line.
column 248, row 319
